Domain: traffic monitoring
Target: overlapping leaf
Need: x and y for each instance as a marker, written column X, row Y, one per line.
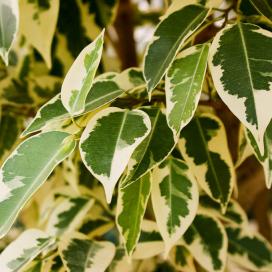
column 27, row 168
column 108, row 142
column 131, row 206
column 79, row 79
column 183, row 85
column 264, row 7
column 203, row 145
column 174, row 199
column 169, row 36
column 242, row 74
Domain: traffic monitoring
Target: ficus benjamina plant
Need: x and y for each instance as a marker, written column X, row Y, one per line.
column 135, row 135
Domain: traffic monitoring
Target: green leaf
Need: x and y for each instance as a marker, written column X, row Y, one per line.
column 24, row 249
column 38, row 24
column 153, row 150
column 27, row 168
column 242, row 75
column 79, row 79
column 174, row 200
column 264, row 7
column 68, row 215
column 183, row 85
column 108, row 142
column 207, row 241
column 168, row 38
column 251, row 251
column 103, row 91
column 234, row 213
column 80, row 254
column 131, row 206
column 204, row 147
column 9, row 15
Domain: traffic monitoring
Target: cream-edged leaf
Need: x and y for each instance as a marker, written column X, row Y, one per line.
column 203, row 144
column 9, row 16
column 183, row 85
column 108, row 142
column 131, row 205
column 38, row 23
column 79, row 79
column 27, row 168
column 242, row 74
column 174, row 199
column 169, row 36
column 154, row 149
column 80, row 254
column 24, row 249
column 207, row 241
column 249, row 250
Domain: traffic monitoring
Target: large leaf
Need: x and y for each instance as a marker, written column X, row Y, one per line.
column 242, row 74
column 24, row 249
column 27, row 168
column 174, row 200
column 207, row 241
column 131, row 206
column 79, row 79
column 38, row 20
column 203, row 145
column 9, row 14
column 79, row 254
column 108, row 142
column 264, row 7
column 249, row 250
column 183, row 84
column 169, row 36
column 102, row 92
column 154, row 149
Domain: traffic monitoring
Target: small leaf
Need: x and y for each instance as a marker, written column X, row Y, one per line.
column 79, row 253
column 207, row 241
column 204, row 147
column 174, row 200
column 79, row 79
column 131, row 206
column 24, row 249
column 154, row 149
column 264, row 7
column 108, row 142
column 242, row 75
column 251, row 251
column 169, row 36
column 102, row 92
column 9, row 14
column 27, row 168
column 183, row 85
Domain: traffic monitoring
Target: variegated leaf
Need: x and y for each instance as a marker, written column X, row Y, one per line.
column 68, row 215
column 38, row 22
column 204, row 147
column 169, row 36
column 206, row 239
column 27, row 168
column 108, row 142
column 154, row 149
column 242, row 74
column 251, row 251
column 233, row 215
column 79, row 79
column 264, row 7
column 131, row 206
column 266, row 158
column 102, row 92
column 174, row 200
column 80, row 254
column 183, row 85
column 24, row 249
column 9, row 14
